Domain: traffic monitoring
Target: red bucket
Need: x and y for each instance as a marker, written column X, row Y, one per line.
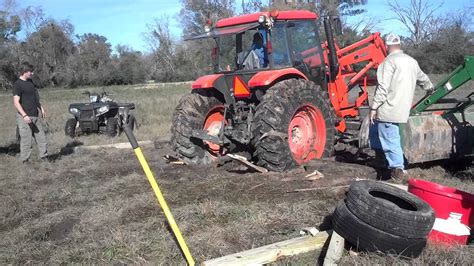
column 447, row 202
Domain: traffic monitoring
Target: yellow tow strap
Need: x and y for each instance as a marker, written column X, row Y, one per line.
column 159, row 196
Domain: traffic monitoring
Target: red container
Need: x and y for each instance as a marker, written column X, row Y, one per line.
column 445, row 201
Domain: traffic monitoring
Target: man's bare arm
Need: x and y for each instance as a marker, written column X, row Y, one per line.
column 19, row 108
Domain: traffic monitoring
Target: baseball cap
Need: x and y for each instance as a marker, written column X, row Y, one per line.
column 392, row 39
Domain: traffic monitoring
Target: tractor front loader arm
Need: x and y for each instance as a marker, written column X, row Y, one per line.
column 370, row 51
column 453, row 81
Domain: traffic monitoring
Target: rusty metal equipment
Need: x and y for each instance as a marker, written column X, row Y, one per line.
column 440, row 127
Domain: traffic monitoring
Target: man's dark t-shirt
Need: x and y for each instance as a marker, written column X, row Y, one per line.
column 29, row 97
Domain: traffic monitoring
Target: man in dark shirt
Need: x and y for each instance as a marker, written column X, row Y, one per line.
column 27, row 103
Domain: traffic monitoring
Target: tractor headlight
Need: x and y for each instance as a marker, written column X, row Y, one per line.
column 261, row 19
column 74, row 110
column 102, row 110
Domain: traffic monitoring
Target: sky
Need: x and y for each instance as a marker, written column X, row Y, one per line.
column 125, row 21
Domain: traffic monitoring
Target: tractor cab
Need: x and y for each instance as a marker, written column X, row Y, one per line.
column 267, row 41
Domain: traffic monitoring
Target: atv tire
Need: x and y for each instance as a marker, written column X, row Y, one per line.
column 192, row 113
column 112, row 127
column 365, row 237
column 390, row 209
column 293, row 124
column 132, row 121
column 70, row 128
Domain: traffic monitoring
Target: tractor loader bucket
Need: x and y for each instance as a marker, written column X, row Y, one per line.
column 430, row 137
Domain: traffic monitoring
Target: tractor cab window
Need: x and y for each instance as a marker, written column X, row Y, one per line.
column 305, row 44
column 280, row 54
column 226, row 50
column 243, row 51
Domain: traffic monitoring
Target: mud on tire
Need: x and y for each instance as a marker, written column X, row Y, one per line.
column 275, row 114
column 390, row 209
column 189, row 115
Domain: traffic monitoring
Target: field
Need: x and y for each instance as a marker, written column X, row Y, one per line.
column 96, row 206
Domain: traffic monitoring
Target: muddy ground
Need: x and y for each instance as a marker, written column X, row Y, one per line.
column 96, row 206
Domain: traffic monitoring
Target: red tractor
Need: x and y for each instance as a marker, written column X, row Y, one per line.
column 278, row 94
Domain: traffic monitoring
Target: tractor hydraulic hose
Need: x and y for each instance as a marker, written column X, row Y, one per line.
column 333, row 63
column 159, row 195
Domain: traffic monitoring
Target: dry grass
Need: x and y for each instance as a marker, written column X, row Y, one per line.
column 96, row 206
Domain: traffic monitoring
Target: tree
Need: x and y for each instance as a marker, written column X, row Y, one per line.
column 162, row 46
column 10, row 25
column 128, row 67
column 48, row 50
column 437, row 54
column 33, row 18
column 194, row 14
column 90, row 61
column 418, row 19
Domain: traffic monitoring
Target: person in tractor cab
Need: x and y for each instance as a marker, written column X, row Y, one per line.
column 397, row 78
column 259, row 48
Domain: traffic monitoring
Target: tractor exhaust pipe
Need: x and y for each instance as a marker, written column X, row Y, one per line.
column 333, row 63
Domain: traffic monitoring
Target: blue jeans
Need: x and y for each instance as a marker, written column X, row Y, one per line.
column 386, row 136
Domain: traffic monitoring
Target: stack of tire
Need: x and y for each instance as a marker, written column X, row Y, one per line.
column 376, row 216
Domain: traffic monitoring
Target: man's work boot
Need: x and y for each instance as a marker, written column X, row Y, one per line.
column 379, row 162
column 397, row 174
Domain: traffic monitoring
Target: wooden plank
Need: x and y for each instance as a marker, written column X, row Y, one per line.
column 244, row 160
column 335, row 250
column 273, row 252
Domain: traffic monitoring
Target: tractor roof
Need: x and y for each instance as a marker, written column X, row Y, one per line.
column 280, row 15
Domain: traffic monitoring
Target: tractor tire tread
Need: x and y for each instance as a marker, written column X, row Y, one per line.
column 397, row 212
column 365, row 237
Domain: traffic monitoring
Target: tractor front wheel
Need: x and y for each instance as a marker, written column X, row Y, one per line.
column 294, row 123
column 197, row 112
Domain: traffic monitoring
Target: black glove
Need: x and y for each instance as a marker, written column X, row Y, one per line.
column 429, row 91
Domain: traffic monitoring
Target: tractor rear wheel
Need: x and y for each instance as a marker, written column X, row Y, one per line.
column 197, row 112
column 294, row 123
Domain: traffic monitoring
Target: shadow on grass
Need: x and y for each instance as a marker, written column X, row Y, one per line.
column 12, row 149
column 66, row 150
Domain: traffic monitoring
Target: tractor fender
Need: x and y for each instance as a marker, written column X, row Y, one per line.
column 206, row 82
column 266, row 78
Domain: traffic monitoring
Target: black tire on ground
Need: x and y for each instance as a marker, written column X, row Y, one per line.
column 390, row 209
column 70, row 128
column 274, row 114
column 190, row 114
column 112, row 127
column 368, row 238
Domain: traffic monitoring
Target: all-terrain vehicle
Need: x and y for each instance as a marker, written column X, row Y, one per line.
column 100, row 115
column 307, row 95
